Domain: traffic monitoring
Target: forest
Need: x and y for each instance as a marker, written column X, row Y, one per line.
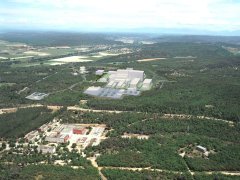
column 14, row 125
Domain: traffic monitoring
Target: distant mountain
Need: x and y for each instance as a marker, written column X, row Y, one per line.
column 198, row 39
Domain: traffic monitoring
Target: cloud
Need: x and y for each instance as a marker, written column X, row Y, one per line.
column 119, row 14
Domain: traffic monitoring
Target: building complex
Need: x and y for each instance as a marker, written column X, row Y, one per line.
column 119, row 83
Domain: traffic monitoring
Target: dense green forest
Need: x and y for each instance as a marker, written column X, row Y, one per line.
column 23, row 121
column 140, row 175
column 49, row 172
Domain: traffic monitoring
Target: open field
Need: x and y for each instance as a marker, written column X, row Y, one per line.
column 72, row 59
column 36, row 53
column 152, row 59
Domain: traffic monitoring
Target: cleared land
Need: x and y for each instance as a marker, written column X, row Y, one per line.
column 151, row 59
column 71, row 59
column 36, row 53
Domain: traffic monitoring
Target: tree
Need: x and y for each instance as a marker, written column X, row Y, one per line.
column 74, row 145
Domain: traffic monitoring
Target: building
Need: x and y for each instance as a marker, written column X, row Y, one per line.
column 99, row 72
column 67, row 130
column 36, row 96
column 134, row 83
column 201, row 148
column 147, row 84
column 82, row 70
column 30, row 137
column 46, row 149
column 43, row 128
column 94, row 91
column 125, row 74
column 120, row 83
column 57, row 138
column 80, row 130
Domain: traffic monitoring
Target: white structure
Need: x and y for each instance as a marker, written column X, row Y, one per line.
column 46, row 149
column 126, row 75
column 37, row 96
column 99, row 72
column 82, row 70
column 94, row 91
column 147, row 84
column 134, row 83
column 201, row 148
column 119, row 83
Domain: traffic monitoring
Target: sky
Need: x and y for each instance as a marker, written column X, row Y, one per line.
column 121, row 15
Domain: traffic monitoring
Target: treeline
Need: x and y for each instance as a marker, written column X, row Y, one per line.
column 143, row 175
column 57, row 38
column 52, row 172
column 174, row 49
column 202, row 176
column 18, row 124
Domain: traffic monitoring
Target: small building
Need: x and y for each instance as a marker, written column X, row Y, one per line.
column 99, row 72
column 82, row 70
column 67, row 130
column 36, row 96
column 147, row 84
column 43, row 128
column 46, row 149
column 201, row 149
column 79, row 131
column 30, row 137
column 57, row 138
column 81, row 140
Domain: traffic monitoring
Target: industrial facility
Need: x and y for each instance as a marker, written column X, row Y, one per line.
column 119, row 83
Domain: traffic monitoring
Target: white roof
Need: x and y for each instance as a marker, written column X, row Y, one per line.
column 201, row 147
column 93, row 88
column 135, row 81
column 147, row 81
column 100, row 70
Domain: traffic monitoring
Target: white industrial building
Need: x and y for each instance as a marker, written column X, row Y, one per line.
column 99, row 72
column 126, row 75
column 119, row 83
column 94, row 91
column 134, row 83
column 147, row 84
